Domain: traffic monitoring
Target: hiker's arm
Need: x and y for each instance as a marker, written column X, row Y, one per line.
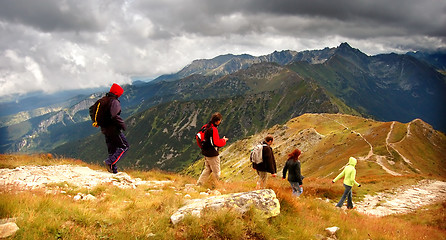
column 285, row 168
column 354, row 180
column 219, row 142
column 299, row 174
column 115, row 110
column 274, row 162
column 339, row 176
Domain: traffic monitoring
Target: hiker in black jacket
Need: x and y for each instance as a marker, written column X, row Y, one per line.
column 268, row 165
column 116, row 142
column 295, row 177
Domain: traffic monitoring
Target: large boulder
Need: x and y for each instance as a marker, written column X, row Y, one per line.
column 264, row 201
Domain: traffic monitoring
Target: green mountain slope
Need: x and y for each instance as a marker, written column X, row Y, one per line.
column 250, row 100
column 386, row 87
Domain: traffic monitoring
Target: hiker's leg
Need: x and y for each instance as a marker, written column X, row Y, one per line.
column 111, row 148
column 124, row 142
column 300, row 190
column 206, row 172
column 214, row 165
column 297, row 190
column 349, row 199
column 262, row 179
column 294, row 188
column 120, row 141
column 344, row 196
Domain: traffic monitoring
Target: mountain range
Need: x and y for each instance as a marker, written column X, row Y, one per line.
column 252, row 93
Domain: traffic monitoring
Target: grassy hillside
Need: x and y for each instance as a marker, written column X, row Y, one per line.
column 144, row 213
column 387, row 149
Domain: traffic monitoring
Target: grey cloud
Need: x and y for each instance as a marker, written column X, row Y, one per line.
column 53, row 15
column 55, row 44
column 202, row 17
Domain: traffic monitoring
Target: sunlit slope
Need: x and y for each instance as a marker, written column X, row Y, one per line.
column 328, row 140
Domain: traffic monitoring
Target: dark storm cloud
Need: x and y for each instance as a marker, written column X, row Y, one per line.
column 52, row 15
column 375, row 18
column 57, row 44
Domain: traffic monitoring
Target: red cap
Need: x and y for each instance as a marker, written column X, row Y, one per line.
column 116, row 89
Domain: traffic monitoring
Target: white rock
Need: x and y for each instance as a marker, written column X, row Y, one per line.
column 332, row 230
column 89, row 197
column 264, row 201
column 8, row 229
column 77, row 197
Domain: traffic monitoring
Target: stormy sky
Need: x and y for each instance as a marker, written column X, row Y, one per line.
column 53, row 45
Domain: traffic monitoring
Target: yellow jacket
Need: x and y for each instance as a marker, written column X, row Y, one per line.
column 349, row 173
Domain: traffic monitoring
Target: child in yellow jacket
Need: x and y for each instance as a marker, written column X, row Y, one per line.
column 349, row 174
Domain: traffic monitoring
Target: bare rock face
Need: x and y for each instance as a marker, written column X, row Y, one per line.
column 263, row 200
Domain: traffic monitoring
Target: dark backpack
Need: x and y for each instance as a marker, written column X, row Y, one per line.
column 100, row 112
column 200, row 135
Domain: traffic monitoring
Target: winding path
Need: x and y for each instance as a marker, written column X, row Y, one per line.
column 379, row 159
column 404, row 199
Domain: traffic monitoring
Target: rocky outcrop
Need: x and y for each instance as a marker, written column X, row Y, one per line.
column 264, row 201
column 31, row 177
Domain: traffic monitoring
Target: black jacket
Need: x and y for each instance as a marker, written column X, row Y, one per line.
column 269, row 163
column 294, row 173
column 116, row 122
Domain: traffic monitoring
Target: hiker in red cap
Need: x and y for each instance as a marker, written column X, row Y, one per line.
column 113, row 124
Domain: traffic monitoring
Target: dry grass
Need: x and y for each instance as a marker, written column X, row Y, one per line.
column 143, row 214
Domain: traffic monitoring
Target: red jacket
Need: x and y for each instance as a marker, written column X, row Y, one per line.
column 212, row 142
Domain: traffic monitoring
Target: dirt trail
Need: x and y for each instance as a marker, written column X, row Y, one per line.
column 379, row 159
column 404, row 199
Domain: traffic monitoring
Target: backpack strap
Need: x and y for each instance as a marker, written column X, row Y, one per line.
column 95, row 123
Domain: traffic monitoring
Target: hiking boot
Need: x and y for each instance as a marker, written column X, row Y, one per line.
column 109, row 167
column 114, row 169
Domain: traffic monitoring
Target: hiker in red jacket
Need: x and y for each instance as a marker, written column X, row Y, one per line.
column 116, row 142
column 210, row 145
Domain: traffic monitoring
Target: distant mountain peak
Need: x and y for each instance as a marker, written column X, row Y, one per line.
column 345, row 45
